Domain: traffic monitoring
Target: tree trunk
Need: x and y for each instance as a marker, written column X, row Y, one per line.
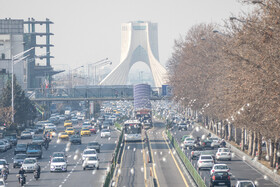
column 267, row 148
column 272, row 153
column 222, row 129
column 226, row 132
column 242, row 139
column 250, row 146
column 255, row 141
column 230, row 132
column 235, row 135
column 259, row 146
column 275, row 153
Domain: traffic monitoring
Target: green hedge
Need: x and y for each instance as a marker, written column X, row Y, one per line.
column 195, row 175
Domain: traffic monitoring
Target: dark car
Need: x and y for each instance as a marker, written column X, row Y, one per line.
column 220, row 178
column 182, row 126
column 207, row 144
column 12, row 138
column 34, row 150
column 18, row 160
column 20, row 148
column 38, row 140
column 94, row 145
column 196, row 151
column 76, row 139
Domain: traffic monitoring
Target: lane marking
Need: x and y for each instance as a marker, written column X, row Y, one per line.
column 120, row 164
column 154, row 170
column 144, row 160
column 175, row 161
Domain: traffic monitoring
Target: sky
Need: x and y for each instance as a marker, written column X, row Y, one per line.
column 86, row 31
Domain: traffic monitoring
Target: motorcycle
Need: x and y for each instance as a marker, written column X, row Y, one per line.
column 5, row 176
column 22, row 179
column 36, row 175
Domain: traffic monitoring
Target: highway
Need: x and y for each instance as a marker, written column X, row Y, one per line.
column 75, row 176
column 136, row 170
column 240, row 170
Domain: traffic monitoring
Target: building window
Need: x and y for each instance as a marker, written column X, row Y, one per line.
column 3, row 56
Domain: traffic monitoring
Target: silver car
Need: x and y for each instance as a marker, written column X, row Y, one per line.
column 3, row 146
column 29, row 164
column 223, row 154
column 205, row 161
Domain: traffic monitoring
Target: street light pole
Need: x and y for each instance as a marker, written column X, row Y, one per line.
column 13, row 58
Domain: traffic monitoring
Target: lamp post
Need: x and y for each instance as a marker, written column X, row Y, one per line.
column 15, row 57
column 71, row 78
column 95, row 63
column 102, row 64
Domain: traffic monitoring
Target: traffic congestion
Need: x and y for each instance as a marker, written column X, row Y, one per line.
column 62, row 144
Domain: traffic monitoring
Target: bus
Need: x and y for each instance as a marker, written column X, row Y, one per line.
column 132, row 130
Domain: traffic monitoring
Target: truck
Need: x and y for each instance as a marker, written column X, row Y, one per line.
column 144, row 116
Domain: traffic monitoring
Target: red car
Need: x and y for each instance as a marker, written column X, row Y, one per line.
column 92, row 129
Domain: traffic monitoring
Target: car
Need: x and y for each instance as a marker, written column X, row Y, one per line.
column 32, row 131
column 220, row 178
column 20, row 148
column 59, row 155
column 196, row 151
column 188, row 142
column 3, row 146
column 63, row 136
column 223, row 154
column 51, row 126
column 4, row 163
column 85, row 131
column 40, row 127
column 76, row 139
column 245, row 183
column 93, row 129
column 91, row 162
column 18, row 160
column 207, row 144
column 67, row 123
column 58, row 164
column 25, row 135
column 74, row 120
column 8, row 143
column 29, row 164
column 34, row 150
column 105, row 133
column 12, row 138
column 94, row 145
column 88, row 153
column 70, row 130
column 215, row 142
column 205, row 161
column 51, row 132
column 38, row 140
column 219, row 167
column 86, row 124
column 105, row 126
column 2, row 183
column 182, row 126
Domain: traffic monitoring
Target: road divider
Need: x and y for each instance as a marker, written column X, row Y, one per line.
column 192, row 171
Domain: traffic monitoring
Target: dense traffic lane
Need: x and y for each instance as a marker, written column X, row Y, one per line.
column 74, row 163
column 167, row 168
column 240, row 170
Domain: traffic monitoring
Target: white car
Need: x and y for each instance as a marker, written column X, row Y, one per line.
column 245, row 183
column 2, row 183
column 105, row 133
column 188, row 142
column 51, row 126
column 58, row 164
column 91, row 162
column 223, row 154
column 89, row 153
column 3, row 146
column 29, row 164
column 219, row 167
column 8, row 143
column 205, row 161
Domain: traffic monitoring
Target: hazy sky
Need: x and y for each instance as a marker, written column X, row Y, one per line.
column 89, row 30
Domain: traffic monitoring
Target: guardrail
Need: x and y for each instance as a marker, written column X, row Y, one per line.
column 114, row 161
column 195, row 175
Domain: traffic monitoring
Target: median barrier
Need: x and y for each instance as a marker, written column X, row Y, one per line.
column 195, row 175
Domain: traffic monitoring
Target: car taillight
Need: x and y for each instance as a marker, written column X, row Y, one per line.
column 192, row 153
column 203, row 143
column 214, row 178
column 218, row 154
column 228, row 177
column 213, row 170
column 228, row 170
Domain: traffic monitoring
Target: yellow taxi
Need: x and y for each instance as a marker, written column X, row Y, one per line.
column 85, row 131
column 63, row 135
column 70, row 131
column 67, row 123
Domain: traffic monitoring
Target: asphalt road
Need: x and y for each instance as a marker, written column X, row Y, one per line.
column 135, row 169
column 75, row 176
column 240, row 170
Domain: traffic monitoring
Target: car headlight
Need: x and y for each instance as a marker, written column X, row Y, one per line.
column 52, row 166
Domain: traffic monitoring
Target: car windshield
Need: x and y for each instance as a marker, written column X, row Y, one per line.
column 92, row 143
column 11, row 137
column 221, row 167
column 105, row 130
column 206, row 158
column 25, row 132
column 21, row 145
column 29, row 161
column 2, row 143
column 223, row 150
column 2, row 162
column 89, row 152
column 33, row 147
column 58, row 160
column 1, row 183
column 63, row 133
column 20, row 156
column 189, row 139
column 92, row 158
column 58, row 155
column 85, row 129
column 70, row 129
column 37, row 138
column 246, row 184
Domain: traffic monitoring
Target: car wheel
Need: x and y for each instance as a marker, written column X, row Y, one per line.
column 84, row 168
column 229, row 159
column 14, row 166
